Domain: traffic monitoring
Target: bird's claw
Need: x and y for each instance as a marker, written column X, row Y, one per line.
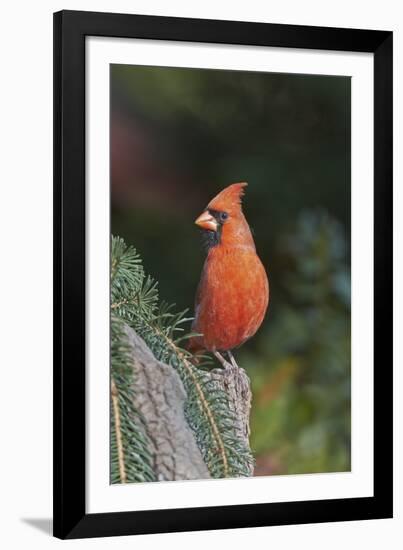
column 223, row 361
column 226, row 364
column 232, row 359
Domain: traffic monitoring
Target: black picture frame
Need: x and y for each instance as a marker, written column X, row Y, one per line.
column 70, row 517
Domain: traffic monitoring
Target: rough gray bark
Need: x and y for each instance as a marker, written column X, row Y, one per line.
column 160, row 398
column 236, row 384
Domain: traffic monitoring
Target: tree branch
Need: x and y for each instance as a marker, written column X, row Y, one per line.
column 159, row 396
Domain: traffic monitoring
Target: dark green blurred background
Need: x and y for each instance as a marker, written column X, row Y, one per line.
column 178, row 136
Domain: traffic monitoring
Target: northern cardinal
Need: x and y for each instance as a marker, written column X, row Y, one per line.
column 233, row 293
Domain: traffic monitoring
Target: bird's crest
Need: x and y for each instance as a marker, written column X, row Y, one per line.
column 229, row 199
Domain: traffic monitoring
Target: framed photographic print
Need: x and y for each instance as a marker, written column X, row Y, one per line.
column 223, row 274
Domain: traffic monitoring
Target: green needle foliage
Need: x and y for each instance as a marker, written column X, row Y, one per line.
column 133, row 461
column 135, row 301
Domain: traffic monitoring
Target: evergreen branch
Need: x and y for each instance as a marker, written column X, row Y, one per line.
column 118, row 432
column 218, row 436
column 130, row 446
column 204, row 405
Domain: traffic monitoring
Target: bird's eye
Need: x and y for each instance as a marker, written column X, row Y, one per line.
column 223, row 216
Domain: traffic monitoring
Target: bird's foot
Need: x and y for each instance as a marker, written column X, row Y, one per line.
column 223, row 361
column 232, row 359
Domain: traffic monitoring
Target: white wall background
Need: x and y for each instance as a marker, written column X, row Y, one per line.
column 26, row 272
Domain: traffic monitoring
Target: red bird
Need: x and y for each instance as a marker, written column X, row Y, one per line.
column 233, row 293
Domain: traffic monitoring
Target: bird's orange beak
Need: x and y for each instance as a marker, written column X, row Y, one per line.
column 207, row 221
